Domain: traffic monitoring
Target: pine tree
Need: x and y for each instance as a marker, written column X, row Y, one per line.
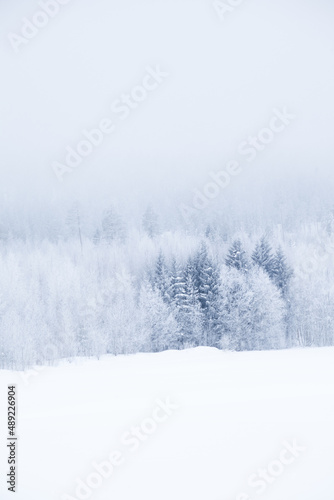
column 281, row 272
column 262, row 255
column 237, row 258
column 176, row 291
column 190, row 313
column 161, row 279
column 208, row 285
column 186, row 306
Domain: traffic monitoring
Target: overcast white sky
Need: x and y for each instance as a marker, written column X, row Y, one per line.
column 225, row 79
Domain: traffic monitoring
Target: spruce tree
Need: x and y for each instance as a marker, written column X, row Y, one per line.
column 208, row 285
column 237, row 258
column 262, row 255
column 189, row 314
column 161, row 278
column 176, row 291
column 281, row 272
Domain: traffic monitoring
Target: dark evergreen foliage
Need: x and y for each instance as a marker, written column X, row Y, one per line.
column 237, row 257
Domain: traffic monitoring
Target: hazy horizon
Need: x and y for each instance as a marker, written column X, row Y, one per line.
column 225, row 79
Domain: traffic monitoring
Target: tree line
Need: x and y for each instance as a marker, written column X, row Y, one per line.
column 148, row 289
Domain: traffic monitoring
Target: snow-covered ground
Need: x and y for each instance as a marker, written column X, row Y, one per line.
column 208, row 422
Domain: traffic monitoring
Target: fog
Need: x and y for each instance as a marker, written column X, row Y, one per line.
column 225, row 78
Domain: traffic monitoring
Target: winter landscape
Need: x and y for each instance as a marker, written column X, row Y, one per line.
column 110, row 288
column 166, row 250
column 93, row 429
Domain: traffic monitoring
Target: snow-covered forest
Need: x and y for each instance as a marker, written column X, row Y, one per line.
column 85, row 286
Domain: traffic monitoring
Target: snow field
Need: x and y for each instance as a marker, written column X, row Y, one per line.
column 199, row 423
